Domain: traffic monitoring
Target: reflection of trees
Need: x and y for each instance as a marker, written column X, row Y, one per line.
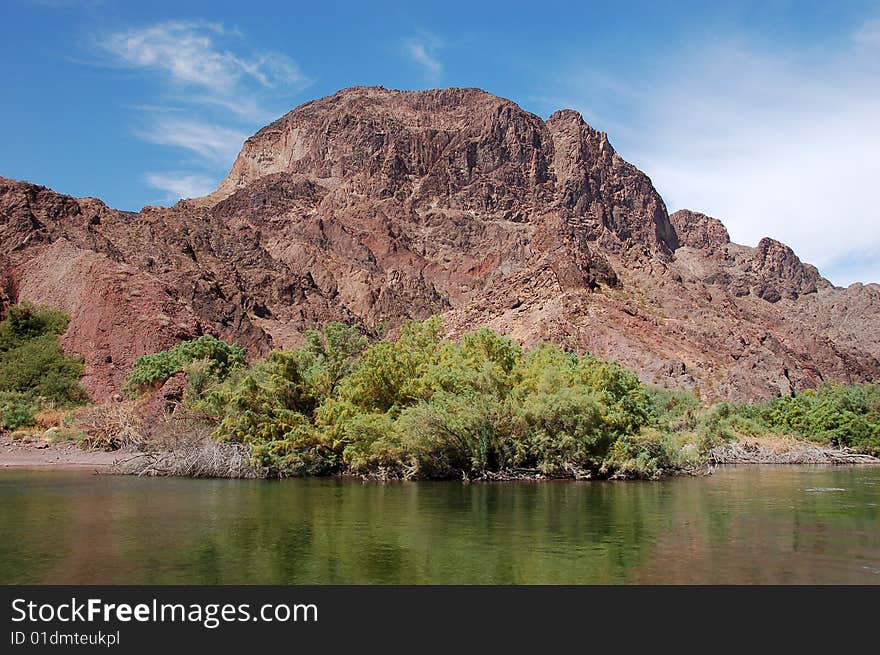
column 750, row 525
column 127, row 530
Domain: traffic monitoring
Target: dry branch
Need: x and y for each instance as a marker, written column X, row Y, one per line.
column 752, row 452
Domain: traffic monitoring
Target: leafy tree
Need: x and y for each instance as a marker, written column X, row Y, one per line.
column 155, row 369
column 25, row 321
column 335, row 350
column 34, row 371
column 424, row 405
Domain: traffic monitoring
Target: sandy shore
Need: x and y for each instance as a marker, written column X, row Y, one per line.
column 38, row 453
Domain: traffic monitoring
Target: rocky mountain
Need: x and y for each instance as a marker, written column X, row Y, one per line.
column 376, row 206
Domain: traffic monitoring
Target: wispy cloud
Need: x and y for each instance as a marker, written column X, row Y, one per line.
column 188, row 53
column 214, row 90
column 780, row 143
column 181, row 185
column 213, row 142
column 423, row 51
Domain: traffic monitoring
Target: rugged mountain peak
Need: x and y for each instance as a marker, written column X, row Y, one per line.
column 770, row 271
column 448, row 136
column 606, row 196
column 375, row 206
column 781, row 274
column 697, row 230
column 465, row 150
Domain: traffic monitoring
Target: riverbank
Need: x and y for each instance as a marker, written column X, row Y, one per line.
column 40, row 453
column 208, row 458
column 784, row 450
column 417, row 406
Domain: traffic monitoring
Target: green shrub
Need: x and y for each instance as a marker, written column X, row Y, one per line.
column 272, row 405
column 334, row 351
column 200, row 380
column 38, row 367
column 458, row 435
column 394, row 374
column 568, row 427
column 372, row 442
column 300, row 453
column 845, row 416
column 34, row 371
column 424, row 405
column 673, row 410
column 16, row 410
column 153, row 370
column 25, row 321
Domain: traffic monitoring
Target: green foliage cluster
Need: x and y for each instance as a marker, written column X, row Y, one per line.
column 423, row 405
column 845, row 416
column 653, row 451
column 680, row 412
column 217, row 359
column 34, row 371
column 17, row 410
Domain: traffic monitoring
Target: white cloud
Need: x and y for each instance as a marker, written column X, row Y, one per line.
column 181, row 185
column 775, row 143
column 215, row 143
column 423, row 51
column 188, row 53
column 243, row 107
column 213, row 92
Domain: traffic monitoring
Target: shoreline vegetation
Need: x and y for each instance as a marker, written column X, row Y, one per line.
column 416, row 406
column 197, row 459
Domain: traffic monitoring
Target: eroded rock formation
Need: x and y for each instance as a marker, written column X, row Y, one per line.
column 377, row 206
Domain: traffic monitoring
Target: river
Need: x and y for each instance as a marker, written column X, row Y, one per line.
column 783, row 524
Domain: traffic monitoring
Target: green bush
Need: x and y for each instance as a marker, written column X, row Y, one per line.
column 424, row 405
column 16, row 410
column 273, row 405
column 651, row 453
column 458, row 435
column 25, row 321
column 566, row 428
column 845, row 416
column 39, row 368
column 394, row 374
column 153, row 370
column 334, row 351
column 34, row 371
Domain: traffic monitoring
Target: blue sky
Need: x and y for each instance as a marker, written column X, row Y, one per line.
column 764, row 114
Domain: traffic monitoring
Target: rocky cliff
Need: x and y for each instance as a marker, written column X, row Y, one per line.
column 375, row 206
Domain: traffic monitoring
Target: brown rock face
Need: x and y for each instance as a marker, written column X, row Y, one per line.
column 780, row 274
column 696, row 230
column 377, row 206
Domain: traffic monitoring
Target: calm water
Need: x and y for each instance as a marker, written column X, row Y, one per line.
column 741, row 525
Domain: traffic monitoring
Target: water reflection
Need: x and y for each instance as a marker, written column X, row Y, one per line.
column 743, row 525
